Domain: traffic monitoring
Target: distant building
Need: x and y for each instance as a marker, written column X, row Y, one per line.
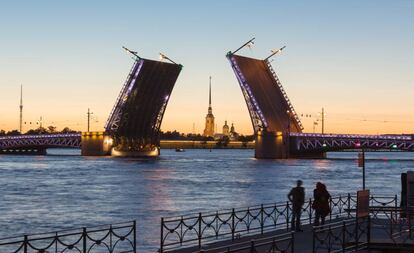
column 233, row 134
column 226, row 130
column 209, row 128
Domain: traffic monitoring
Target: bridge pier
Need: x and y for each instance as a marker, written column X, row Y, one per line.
column 132, row 147
column 96, row 144
column 271, row 145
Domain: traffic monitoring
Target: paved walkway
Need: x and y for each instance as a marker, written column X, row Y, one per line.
column 303, row 242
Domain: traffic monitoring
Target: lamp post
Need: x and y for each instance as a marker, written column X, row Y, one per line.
column 89, row 117
column 164, row 57
column 288, row 112
column 361, row 163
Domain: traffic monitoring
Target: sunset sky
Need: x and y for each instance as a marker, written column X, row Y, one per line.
column 354, row 58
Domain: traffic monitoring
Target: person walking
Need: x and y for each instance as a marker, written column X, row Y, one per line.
column 320, row 203
column 297, row 197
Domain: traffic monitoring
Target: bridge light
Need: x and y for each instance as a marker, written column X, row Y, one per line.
column 357, row 144
column 394, row 146
column 164, row 57
column 250, row 44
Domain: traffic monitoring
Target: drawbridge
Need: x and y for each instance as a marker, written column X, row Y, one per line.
column 277, row 126
column 133, row 126
column 272, row 114
column 135, row 120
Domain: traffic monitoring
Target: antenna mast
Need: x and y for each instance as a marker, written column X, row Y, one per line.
column 21, row 109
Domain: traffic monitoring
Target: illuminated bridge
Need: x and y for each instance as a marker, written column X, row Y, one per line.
column 277, row 127
column 37, row 144
column 133, row 126
column 300, row 143
column 135, row 120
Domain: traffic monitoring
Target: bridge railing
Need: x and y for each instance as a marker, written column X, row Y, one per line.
column 120, row 237
column 353, row 136
column 196, row 230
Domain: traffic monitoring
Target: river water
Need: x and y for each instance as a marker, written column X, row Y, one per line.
column 64, row 189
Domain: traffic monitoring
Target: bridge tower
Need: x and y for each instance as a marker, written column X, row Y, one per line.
column 272, row 114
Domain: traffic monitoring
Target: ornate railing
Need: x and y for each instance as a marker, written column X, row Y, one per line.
column 202, row 228
column 342, row 236
column 113, row 238
column 395, row 224
column 387, row 226
column 283, row 243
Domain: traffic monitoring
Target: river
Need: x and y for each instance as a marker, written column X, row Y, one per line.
column 64, row 189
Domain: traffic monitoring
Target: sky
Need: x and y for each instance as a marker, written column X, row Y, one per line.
column 353, row 58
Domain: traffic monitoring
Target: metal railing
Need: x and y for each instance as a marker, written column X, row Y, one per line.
column 394, row 224
column 120, row 237
column 386, row 226
column 283, row 243
column 202, row 228
column 342, row 236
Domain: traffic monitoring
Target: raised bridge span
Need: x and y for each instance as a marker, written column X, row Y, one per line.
column 277, row 126
column 133, row 126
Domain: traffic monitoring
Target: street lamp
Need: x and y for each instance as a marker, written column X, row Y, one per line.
column 289, row 113
column 274, row 52
column 164, row 57
column 134, row 53
column 248, row 44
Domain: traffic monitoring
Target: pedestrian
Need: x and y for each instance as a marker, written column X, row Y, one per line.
column 320, row 203
column 297, row 197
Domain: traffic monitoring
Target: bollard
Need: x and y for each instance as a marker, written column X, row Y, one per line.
column 287, row 215
column 233, row 229
column 25, row 244
column 84, row 237
column 343, row 236
column 261, row 219
column 135, row 235
column 199, row 230
column 162, row 235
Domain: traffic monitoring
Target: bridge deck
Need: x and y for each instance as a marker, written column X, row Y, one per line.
column 267, row 94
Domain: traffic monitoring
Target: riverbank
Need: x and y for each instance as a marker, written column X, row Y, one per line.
column 171, row 144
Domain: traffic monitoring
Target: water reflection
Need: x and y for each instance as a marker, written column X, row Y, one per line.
column 40, row 193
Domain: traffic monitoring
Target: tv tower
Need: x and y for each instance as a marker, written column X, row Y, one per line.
column 21, row 109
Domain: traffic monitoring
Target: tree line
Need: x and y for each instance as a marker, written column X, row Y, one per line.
column 39, row 130
column 175, row 135
column 168, row 135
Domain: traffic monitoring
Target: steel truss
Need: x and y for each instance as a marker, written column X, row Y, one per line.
column 303, row 142
column 41, row 141
column 112, row 124
column 256, row 114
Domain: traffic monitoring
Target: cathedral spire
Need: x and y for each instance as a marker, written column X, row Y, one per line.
column 209, row 129
column 209, row 94
column 210, row 110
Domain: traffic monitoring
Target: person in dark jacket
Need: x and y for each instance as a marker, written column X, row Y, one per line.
column 297, row 197
column 321, row 203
